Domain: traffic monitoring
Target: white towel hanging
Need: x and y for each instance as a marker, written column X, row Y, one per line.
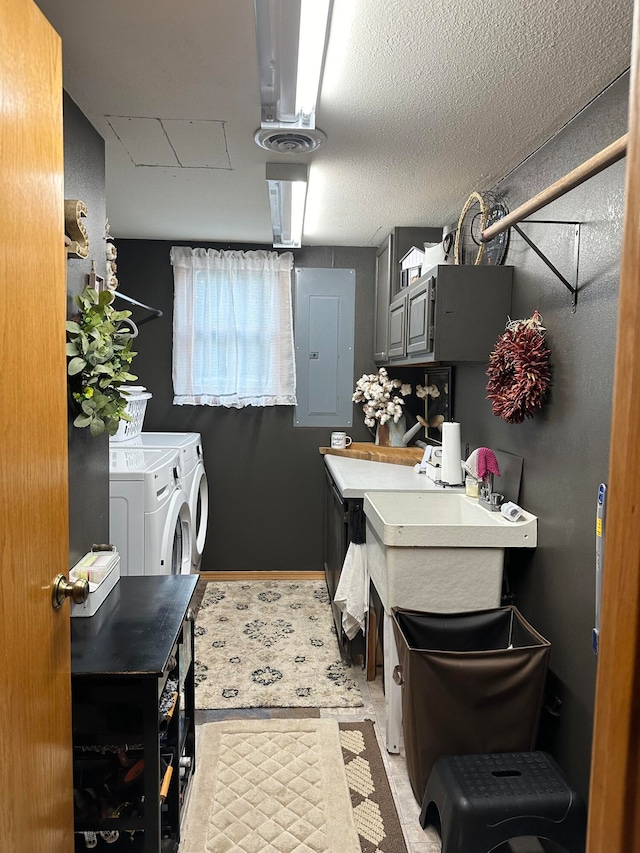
column 352, row 594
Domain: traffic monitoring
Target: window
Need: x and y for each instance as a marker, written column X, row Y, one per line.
column 232, row 328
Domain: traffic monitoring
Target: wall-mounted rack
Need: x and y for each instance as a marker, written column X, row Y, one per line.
column 600, row 161
column 155, row 312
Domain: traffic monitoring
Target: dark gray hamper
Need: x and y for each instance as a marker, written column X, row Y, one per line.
column 471, row 683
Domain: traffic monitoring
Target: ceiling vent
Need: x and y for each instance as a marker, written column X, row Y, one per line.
column 296, row 141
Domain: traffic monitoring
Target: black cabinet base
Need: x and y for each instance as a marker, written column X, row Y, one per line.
column 133, row 711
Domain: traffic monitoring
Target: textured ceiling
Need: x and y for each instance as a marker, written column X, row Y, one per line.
column 421, row 103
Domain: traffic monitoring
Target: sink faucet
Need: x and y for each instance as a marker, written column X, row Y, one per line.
column 488, row 498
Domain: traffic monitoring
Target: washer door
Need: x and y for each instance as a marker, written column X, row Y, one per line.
column 176, row 536
column 199, row 504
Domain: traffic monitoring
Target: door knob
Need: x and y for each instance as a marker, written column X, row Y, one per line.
column 77, row 591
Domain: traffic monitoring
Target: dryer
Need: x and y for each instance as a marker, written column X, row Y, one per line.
column 149, row 516
column 192, row 478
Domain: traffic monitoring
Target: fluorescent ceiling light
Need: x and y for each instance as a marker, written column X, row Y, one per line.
column 287, row 194
column 291, row 37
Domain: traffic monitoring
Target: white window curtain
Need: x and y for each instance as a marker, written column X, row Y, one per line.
column 232, row 328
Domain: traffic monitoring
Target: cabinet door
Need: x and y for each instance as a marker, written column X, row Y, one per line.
column 398, row 328
column 472, row 306
column 420, row 317
column 383, row 298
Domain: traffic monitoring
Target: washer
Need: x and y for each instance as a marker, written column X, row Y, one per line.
column 191, row 477
column 149, row 516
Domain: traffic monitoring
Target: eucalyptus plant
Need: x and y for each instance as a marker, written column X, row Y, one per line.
column 99, row 351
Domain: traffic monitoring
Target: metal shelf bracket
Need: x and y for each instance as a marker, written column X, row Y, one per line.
column 572, row 288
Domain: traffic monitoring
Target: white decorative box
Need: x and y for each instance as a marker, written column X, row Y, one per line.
column 102, row 569
column 411, row 266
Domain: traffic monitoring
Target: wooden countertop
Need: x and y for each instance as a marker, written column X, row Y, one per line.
column 375, row 453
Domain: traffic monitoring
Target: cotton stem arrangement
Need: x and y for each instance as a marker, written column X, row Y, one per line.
column 381, row 397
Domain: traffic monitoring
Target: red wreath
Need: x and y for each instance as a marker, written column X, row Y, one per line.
column 518, row 370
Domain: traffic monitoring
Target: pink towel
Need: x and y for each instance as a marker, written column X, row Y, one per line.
column 480, row 462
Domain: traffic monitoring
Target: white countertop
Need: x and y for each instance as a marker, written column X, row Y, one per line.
column 354, row 477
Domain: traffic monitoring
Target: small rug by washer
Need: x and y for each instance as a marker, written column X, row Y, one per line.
column 269, row 786
column 374, row 810
column 269, row 644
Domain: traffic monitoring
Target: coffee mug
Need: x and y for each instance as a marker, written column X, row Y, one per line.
column 340, row 440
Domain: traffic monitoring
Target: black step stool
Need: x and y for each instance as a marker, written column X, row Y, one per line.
column 481, row 801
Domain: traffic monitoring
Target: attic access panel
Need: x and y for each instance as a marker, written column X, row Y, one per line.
column 324, row 328
column 172, row 143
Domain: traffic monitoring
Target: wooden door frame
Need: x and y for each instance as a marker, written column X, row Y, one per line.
column 614, row 798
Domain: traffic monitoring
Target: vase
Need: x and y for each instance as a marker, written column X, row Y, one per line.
column 391, row 433
column 382, row 435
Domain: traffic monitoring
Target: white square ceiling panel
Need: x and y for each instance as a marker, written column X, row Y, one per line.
column 145, row 140
column 174, row 143
column 198, row 144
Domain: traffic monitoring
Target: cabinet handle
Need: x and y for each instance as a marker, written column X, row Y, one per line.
column 190, row 615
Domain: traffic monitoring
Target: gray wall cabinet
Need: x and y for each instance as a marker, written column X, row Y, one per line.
column 388, row 257
column 451, row 314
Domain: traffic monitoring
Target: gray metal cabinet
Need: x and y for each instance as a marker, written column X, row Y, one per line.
column 390, row 252
column 451, row 314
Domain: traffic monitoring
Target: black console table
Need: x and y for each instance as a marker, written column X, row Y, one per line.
column 132, row 684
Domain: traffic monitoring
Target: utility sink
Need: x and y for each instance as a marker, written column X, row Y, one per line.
column 439, row 552
column 444, row 520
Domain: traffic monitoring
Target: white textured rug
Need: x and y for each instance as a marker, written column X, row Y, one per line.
column 269, row 644
column 270, row 786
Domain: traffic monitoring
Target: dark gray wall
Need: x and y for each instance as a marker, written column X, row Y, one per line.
column 566, row 445
column 88, row 457
column 265, row 475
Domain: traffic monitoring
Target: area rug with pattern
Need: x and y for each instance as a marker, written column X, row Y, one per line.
column 268, row 786
column 309, row 785
column 269, row 644
column 374, row 810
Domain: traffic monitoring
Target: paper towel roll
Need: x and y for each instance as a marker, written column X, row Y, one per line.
column 451, row 454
